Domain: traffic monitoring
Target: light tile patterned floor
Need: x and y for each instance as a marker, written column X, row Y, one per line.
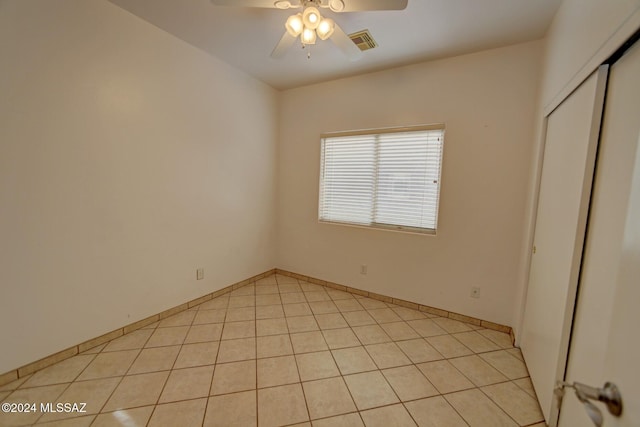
column 284, row 352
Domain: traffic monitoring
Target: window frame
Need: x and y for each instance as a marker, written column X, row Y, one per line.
column 375, row 133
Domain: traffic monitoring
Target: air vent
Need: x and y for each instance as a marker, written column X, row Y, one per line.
column 363, row 40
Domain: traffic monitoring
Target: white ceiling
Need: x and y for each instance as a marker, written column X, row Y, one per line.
column 427, row 29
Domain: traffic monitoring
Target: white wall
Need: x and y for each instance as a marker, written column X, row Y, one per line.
column 127, row 160
column 487, row 101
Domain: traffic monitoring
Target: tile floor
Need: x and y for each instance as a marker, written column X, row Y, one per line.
column 284, row 352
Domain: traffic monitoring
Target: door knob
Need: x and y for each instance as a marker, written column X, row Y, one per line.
column 609, row 395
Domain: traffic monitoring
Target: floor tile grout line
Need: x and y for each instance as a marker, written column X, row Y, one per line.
column 209, row 391
column 72, row 381
column 144, row 346
column 255, row 315
column 356, row 412
column 215, row 361
column 344, row 382
column 56, row 398
column 444, row 396
column 123, row 376
column 295, row 359
column 391, row 386
column 316, row 380
column 496, row 403
column 166, row 381
column 504, row 373
column 535, row 396
column 319, row 379
column 306, row 402
column 494, row 341
column 477, row 387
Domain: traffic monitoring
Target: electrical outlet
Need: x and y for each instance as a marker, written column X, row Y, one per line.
column 363, row 269
column 475, row 292
column 200, row 274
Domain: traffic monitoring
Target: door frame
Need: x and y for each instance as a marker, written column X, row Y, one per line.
column 573, row 292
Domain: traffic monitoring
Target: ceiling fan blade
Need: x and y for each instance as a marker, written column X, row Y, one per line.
column 283, row 45
column 346, row 45
column 363, row 5
column 245, row 3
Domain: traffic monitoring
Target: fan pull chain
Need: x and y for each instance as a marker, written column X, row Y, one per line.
column 304, row 46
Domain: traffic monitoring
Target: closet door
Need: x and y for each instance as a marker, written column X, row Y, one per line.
column 565, row 189
column 604, row 342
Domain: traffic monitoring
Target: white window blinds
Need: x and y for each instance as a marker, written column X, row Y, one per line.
column 389, row 179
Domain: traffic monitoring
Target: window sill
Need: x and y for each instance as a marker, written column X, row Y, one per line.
column 384, row 227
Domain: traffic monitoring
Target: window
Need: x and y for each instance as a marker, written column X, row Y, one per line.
column 384, row 179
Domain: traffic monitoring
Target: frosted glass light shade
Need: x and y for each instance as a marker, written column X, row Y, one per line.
column 311, row 17
column 294, row 25
column 326, row 28
column 308, row 36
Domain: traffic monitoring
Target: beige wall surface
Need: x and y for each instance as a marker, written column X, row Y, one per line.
column 127, row 160
column 487, row 102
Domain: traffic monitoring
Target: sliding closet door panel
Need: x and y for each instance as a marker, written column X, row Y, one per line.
column 604, row 344
column 565, row 188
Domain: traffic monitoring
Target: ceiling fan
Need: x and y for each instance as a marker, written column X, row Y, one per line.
column 309, row 24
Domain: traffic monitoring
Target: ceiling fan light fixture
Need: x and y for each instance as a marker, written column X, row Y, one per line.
column 308, row 36
column 326, row 28
column 282, row 4
column 311, row 17
column 294, row 25
column 336, row 5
